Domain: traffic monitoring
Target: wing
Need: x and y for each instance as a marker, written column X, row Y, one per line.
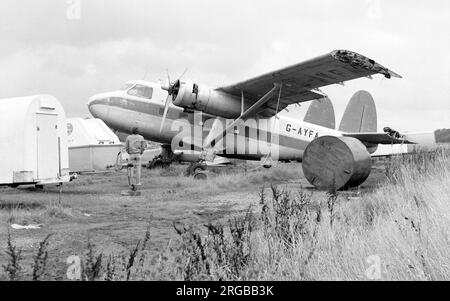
column 378, row 138
column 423, row 142
column 299, row 81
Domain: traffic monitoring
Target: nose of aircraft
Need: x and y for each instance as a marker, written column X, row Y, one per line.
column 97, row 105
column 91, row 105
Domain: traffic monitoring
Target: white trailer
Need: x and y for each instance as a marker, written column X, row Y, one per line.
column 92, row 145
column 33, row 141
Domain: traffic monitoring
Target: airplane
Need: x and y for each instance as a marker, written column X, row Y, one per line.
column 242, row 121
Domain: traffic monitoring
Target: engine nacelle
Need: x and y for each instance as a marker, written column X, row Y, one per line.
column 189, row 95
column 336, row 162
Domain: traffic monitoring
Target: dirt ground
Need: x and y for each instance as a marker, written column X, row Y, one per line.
column 92, row 208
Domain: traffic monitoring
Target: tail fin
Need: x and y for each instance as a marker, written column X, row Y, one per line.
column 321, row 112
column 360, row 115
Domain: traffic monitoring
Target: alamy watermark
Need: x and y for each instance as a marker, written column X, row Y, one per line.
column 74, row 268
column 73, row 11
column 251, row 137
column 374, row 270
column 374, row 10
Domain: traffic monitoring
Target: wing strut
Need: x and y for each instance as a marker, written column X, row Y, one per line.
column 208, row 149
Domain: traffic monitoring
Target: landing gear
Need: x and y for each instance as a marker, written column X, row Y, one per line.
column 158, row 163
column 267, row 162
column 200, row 176
column 197, row 170
column 165, row 159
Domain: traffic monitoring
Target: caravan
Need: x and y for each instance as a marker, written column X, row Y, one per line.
column 92, row 145
column 33, row 141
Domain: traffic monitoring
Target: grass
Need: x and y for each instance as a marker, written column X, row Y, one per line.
column 26, row 213
column 235, row 177
column 397, row 231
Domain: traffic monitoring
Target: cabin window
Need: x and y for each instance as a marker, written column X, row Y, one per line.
column 195, row 89
column 141, row 91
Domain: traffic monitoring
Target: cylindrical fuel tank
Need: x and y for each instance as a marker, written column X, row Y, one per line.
column 336, row 162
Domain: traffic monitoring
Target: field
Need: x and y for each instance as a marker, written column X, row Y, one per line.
column 243, row 223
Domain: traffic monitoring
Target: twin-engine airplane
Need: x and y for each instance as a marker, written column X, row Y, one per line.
column 241, row 121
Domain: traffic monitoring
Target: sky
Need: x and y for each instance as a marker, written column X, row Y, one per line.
column 73, row 49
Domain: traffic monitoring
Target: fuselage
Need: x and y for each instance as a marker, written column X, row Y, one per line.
column 141, row 104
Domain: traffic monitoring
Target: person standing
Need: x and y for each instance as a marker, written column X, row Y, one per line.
column 135, row 146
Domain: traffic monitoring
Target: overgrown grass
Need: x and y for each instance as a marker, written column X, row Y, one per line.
column 400, row 231
column 239, row 178
column 14, row 269
column 29, row 212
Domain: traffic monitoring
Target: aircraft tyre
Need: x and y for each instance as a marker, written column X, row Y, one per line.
column 195, row 168
column 200, row 176
column 158, row 163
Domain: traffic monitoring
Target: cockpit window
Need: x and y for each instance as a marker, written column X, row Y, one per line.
column 141, row 91
column 126, row 87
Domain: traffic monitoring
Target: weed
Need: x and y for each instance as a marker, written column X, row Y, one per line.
column 92, row 266
column 13, row 268
column 40, row 259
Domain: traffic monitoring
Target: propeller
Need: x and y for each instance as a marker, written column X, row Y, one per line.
column 172, row 89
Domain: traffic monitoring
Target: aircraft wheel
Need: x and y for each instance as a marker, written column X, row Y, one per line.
column 195, row 168
column 158, row 164
column 200, row 176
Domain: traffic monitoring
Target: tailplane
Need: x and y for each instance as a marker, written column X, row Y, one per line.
column 360, row 115
column 321, row 112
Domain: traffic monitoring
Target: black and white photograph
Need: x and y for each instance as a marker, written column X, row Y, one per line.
column 237, row 145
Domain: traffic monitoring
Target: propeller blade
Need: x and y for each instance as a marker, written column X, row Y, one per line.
column 168, row 76
column 166, row 109
column 168, row 84
column 183, row 74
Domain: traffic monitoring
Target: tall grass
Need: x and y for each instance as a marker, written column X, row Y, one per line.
column 26, row 212
column 14, row 268
column 400, row 231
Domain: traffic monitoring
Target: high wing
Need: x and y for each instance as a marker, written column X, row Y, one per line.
column 299, row 81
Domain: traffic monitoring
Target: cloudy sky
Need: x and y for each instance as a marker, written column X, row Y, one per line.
column 76, row 48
